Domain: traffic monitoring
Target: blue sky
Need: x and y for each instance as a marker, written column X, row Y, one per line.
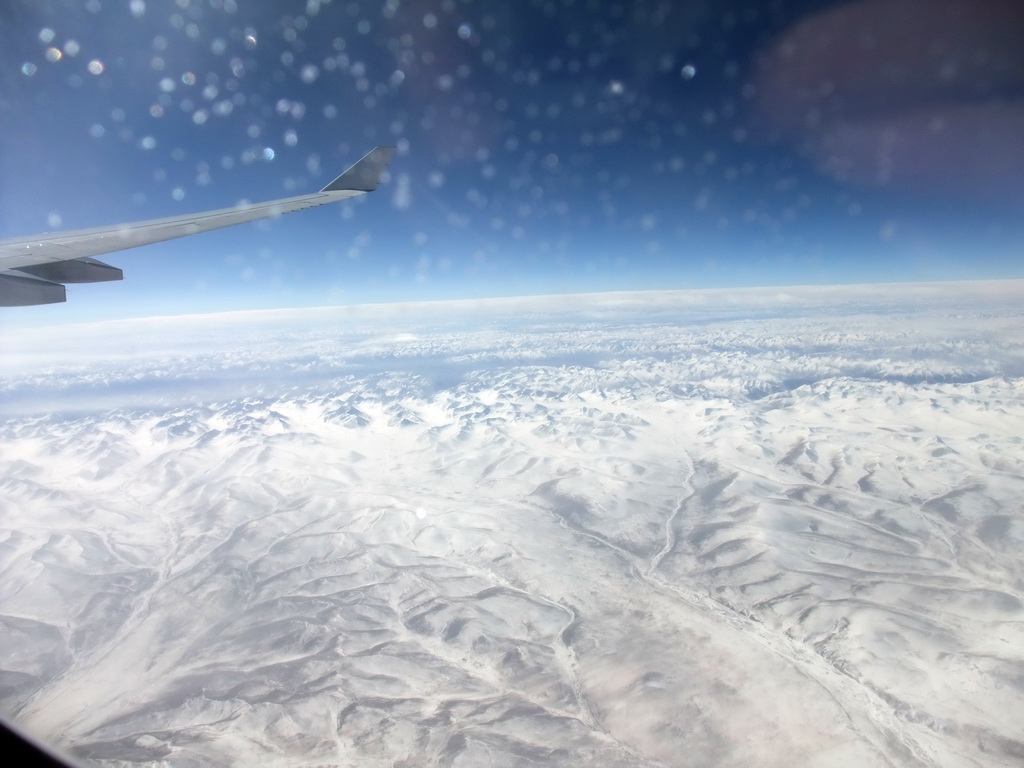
column 544, row 147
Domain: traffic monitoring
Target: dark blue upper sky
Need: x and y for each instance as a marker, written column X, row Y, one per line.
column 544, row 147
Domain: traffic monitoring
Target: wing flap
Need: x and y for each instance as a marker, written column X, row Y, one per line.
column 75, row 271
column 19, row 290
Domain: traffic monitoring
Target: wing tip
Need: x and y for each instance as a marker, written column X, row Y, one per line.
column 364, row 175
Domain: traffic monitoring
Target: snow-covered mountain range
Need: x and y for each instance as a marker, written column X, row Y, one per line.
column 771, row 527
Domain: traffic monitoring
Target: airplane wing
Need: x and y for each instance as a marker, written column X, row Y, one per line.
column 34, row 270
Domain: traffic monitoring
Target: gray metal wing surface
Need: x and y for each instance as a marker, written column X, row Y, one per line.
column 34, row 270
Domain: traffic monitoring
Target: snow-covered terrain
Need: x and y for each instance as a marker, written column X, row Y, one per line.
column 768, row 527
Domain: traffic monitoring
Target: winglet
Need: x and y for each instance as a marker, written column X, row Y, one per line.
column 364, row 175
